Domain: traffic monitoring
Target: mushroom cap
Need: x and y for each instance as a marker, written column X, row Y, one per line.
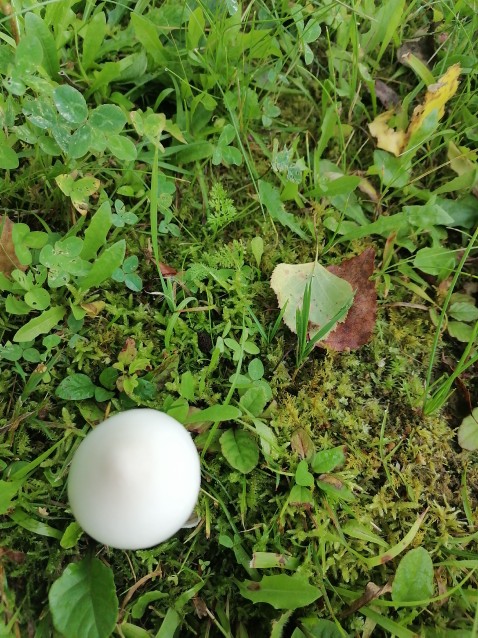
column 134, row 480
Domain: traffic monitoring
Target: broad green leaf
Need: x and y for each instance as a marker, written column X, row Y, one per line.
column 461, row 331
column 37, row 298
column 320, row 628
column 109, row 260
column 391, row 170
column 215, row 413
column 76, row 387
column 8, row 491
column 97, row 231
column 70, row 103
column 40, row 325
column 462, row 311
column 34, row 25
column 436, row 261
column 133, row 631
column 254, row 400
column 28, row 54
column 80, row 141
column 329, row 293
column 196, row 29
column 240, row 450
column 108, row 118
column 468, row 431
column 83, row 600
column 270, row 197
column 93, row 37
column 146, row 32
column 71, row 536
column 281, row 591
column 255, row 369
column 414, row 577
column 328, row 460
column 302, row 475
column 8, row 157
column 122, row 147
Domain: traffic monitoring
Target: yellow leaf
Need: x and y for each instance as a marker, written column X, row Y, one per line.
column 387, row 138
column 436, row 97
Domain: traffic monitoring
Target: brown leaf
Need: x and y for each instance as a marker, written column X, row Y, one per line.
column 167, row 271
column 302, row 443
column 358, row 326
column 372, row 591
column 387, row 96
column 8, row 259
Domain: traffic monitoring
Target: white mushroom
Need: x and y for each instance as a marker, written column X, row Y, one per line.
column 134, row 480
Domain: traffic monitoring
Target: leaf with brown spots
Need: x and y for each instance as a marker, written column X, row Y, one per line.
column 8, row 259
column 359, row 324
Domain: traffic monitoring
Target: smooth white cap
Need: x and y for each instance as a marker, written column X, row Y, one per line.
column 134, row 480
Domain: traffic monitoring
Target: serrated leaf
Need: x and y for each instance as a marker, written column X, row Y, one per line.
column 109, row 260
column 40, row 325
column 76, row 387
column 329, row 293
column 281, row 591
column 414, row 577
column 83, row 600
column 240, row 450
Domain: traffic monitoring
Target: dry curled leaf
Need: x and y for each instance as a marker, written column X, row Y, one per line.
column 8, row 259
column 167, row 271
column 372, row 592
column 359, row 324
column 387, row 96
column 387, row 137
column 437, row 95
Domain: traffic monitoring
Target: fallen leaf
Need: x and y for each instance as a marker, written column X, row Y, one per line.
column 388, row 138
column 394, row 141
column 372, row 592
column 93, row 308
column 329, row 293
column 8, row 259
column 367, row 188
column 167, row 271
column 436, row 97
column 422, row 48
column 387, row 96
column 359, row 324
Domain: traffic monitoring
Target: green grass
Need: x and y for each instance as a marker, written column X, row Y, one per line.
column 227, row 139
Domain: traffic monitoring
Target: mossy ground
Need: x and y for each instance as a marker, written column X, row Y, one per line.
column 400, row 463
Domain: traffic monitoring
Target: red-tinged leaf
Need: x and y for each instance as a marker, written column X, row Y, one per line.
column 8, row 259
column 359, row 324
column 167, row 271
